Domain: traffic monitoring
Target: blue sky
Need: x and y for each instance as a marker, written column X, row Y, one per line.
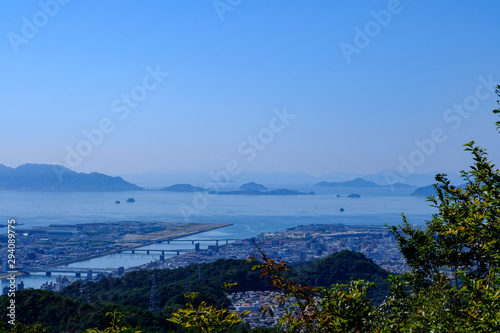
column 205, row 77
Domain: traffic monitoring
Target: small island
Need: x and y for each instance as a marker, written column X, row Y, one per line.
column 130, row 200
column 353, row 195
column 183, row 188
column 425, row 191
column 253, row 186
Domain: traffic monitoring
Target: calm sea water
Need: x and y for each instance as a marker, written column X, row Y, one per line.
column 249, row 215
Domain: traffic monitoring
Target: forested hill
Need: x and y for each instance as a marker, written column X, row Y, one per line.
column 134, row 287
column 341, row 267
column 207, row 279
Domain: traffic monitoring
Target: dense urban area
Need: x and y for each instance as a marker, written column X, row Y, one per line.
column 301, row 243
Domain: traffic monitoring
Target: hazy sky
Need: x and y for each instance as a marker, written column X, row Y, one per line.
column 124, row 87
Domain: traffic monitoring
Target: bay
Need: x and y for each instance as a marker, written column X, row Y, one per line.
column 249, row 215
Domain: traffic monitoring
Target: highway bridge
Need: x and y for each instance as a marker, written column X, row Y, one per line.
column 148, row 251
column 78, row 271
column 202, row 240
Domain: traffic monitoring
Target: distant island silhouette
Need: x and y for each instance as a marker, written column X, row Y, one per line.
column 357, row 182
column 427, row 191
column 424, row 191
column 253, row 186
column 44, row 177
column 183, row 188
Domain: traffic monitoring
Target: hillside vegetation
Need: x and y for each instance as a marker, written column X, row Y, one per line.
column 130, row 294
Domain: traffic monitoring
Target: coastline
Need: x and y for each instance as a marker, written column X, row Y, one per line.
column 204, row 226
column 220, row 225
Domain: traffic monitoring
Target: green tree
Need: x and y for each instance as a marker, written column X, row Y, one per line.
column 339, row 308
column 462, row 240
column 113, row 320
column 206, row 318
column 464, row 235
column 25, row 328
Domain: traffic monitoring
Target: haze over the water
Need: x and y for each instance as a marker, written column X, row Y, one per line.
column 318, row 87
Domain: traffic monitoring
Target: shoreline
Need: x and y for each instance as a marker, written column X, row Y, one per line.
column 221, row 225
column 156, row 241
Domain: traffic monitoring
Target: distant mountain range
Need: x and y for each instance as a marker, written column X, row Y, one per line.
column 43, row 177
column 358, row 182
column 418, row 180
column 284, row 179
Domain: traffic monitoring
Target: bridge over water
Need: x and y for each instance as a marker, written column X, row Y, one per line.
column 78, row 271
column 162, row 251
column 202, row 240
